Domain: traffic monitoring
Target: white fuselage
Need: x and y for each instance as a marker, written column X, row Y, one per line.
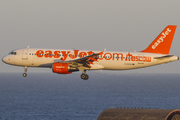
column 109, row 60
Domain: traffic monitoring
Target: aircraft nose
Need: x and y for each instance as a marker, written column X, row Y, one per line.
column 5, row 59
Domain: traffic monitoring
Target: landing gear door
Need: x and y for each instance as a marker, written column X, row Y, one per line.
column 25, row 54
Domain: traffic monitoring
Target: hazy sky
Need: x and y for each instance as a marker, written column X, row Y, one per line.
column 126, row 25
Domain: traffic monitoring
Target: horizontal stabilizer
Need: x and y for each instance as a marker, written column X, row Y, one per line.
column 163, row 57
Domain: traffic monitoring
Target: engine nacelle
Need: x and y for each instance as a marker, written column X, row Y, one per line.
column 62, row 68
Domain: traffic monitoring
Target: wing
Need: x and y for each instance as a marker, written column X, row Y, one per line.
column 86, row 61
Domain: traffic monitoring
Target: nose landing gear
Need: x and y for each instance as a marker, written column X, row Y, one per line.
column 24, row 74
column 25, row 70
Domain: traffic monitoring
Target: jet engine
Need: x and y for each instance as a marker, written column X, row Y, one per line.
column 63, row 68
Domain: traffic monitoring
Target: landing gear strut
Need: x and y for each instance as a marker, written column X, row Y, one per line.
column 84, row 76
column 25, row 70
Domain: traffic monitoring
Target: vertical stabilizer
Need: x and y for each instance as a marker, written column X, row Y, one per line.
column 162, row 44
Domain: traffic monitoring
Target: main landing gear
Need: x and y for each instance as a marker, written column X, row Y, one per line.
column 84, row 76
column 25, row 70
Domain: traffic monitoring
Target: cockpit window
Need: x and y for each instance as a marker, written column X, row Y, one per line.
column 13, row 53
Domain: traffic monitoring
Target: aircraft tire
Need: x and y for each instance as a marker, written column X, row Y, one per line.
column 24, row 74
column 86, row 78
column 83, row 76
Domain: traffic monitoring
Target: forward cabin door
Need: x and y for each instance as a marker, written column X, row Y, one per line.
column 25, row 54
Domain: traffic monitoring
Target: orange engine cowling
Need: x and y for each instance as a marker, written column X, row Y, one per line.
column 61, row 68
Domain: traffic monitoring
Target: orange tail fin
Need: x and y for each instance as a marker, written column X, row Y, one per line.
column 162, row 43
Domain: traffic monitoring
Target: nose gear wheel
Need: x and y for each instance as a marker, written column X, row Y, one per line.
column 24, row 74
column 25, row 70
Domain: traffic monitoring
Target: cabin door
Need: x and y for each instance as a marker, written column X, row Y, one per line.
column 25, row 54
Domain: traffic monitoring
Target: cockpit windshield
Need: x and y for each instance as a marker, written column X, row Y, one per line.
column 13, row 53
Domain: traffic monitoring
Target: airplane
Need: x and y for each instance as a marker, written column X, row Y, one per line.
column 64, row 61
